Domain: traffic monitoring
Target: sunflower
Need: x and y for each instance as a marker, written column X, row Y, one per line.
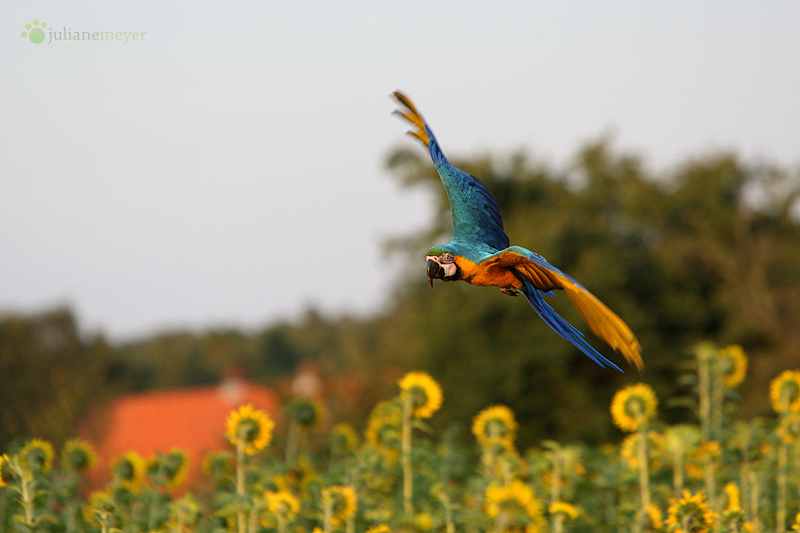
column 6, row 472
column 784, row 391
column 307, row 413
column 495, row 425
column 99, row 506
column 732, row 516
column 733, row 365
column 516, row 499
column 423, row 522
column 129, row 469
column 633, row 406
column 343, row 439
column 78, row 455
column 282, row 503
column 568, row 510
column 173, row 467
column 789, row 428
column 655, row 516
column 37, row 454
column 689, row 514
column 251, row 427
column 681, row 438
column 710, row 449
column 629, row 449
column 218, row 465
column 423, row 392
column 183, row 512
column 341, row 501
column 383, row 426
column 732, row 494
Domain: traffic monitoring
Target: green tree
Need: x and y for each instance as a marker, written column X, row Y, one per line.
column 49, row 376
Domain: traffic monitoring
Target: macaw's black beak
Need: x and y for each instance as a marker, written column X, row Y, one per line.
column 435, row 271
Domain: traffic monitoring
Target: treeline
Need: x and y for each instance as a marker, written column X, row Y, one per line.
column 707, row 251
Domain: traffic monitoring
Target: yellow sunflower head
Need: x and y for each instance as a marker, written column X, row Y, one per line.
column 218, row 465
column 78, row 455
column 343, row 439
column 689, row 513
column 99, row 506
column 7, row 474
column 37, row 454
column 633, row 406
column 308, row 413
column 516, row 503
column 789, row 428
column 629, row 449
column 383, row 426
column 732, row 517
column 681, row 439
column 423, row 392
column 733, row 365
column 171, row 467
column 250, row 427
column 342, row 502
column 282, row 503
column 732, row 495
column 185, row 511
column 568, row 510
column 129, row 469
column 495, row 425
column 784, row 392
column 655, row 516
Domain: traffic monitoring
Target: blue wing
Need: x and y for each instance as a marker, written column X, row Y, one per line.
column 476, row 216
column 538, row 275
column 559, row 325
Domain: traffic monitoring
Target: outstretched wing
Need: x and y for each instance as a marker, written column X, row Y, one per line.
column 603, row 322
column 476, row 216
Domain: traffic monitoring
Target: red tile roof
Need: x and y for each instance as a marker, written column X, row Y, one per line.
column 192, row 419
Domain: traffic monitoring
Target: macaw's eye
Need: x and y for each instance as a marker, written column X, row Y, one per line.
column 446, row 257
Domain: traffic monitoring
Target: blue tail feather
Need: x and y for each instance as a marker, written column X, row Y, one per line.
column 561, row 326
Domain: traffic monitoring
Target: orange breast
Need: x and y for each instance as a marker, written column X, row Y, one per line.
column 476, row 274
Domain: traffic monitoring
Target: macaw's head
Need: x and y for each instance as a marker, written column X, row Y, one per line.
column 441, row 264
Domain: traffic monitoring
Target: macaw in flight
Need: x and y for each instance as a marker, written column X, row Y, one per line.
column 479, row 253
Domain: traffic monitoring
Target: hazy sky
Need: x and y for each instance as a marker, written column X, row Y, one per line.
column 227, row 169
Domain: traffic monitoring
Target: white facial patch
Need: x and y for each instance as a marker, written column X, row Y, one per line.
column 449, row 267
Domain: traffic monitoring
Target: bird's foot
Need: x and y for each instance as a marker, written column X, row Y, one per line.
column 509, row 292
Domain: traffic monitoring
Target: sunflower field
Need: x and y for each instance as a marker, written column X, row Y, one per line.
column 714, row 474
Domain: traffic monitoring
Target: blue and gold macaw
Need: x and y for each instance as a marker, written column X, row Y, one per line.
column 479, row 253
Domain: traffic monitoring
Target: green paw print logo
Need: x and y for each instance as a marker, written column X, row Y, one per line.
column 34, row 31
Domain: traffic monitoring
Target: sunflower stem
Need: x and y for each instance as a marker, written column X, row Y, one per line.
column 704, row 392
column 291, row 442
column 154, row 497
column 717, row 396
column 327, row 515
column 780, row 512
column 558, row 523
column 644, row 479
column 240, row 487
column 252, row 521
column 677, row 473
column 754, row 518
column 27, row 498
column 450, row 526
column 408, row 481
column 555, row 487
